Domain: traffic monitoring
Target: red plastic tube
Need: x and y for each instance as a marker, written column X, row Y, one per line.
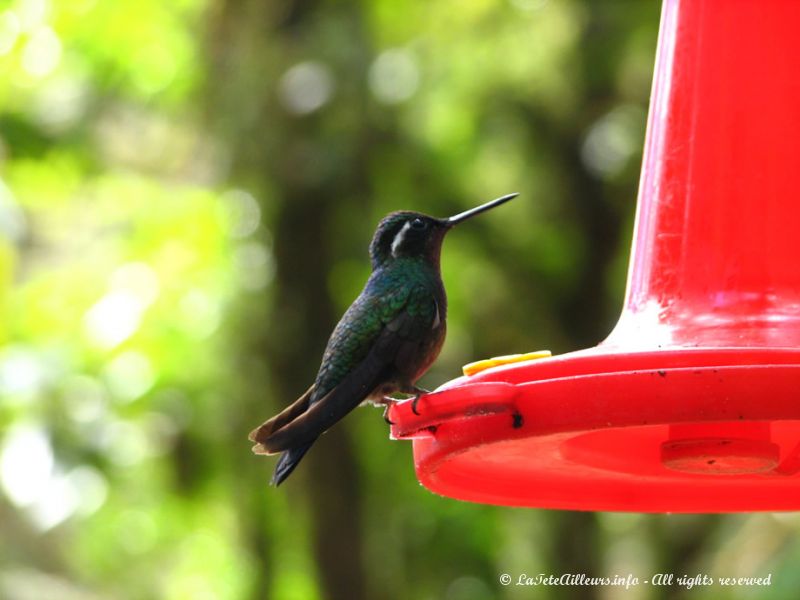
column 692, row 404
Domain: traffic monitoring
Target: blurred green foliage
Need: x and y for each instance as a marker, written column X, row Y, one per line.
column 187, row 190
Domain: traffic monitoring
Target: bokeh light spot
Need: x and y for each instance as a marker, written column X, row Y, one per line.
column 26, row 464
column 84, row 398
column 243, row 211
column 394, row 76
column 12, row 220
column 129, row 376
column 124, row 443
column 31, row 13
column 157, row 68
column 613, row 139
column 145, row 527
column 113, row 319
column 528, row 5
column 21, row 372
column 9, row 31
column 199, row 313
column 137, row 279
column 42, row 53
column 306, row 87
column 92, row 488
column 60, row 103
column 254, row 265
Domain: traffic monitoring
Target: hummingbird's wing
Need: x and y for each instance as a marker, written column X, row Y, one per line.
column 396, row 325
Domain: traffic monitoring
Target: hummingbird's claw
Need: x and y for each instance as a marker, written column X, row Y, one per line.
column 386, row 414
column 418, row 392
column 387, row 401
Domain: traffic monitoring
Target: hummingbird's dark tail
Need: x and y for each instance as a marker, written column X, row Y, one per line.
column 288, row 461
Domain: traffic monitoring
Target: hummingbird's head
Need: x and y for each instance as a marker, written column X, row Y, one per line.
column 413, row 234
column 407, row 234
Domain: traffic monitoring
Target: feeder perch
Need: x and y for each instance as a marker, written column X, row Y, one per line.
column 692, row 404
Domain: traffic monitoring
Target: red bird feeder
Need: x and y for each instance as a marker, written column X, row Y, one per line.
column 692, row 404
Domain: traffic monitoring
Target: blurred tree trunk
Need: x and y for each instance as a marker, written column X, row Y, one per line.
column 311, row 180
column 576, row 550
column 681, row 542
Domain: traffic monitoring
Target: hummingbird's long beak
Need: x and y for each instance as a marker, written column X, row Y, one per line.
column 468, row 214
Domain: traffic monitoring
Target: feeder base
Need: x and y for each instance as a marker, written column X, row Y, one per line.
column 675, row 430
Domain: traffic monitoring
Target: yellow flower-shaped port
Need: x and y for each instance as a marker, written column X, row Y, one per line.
column 482, row 365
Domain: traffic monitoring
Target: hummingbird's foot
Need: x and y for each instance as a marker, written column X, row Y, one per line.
column 387, row 401
column 386, row 415
column 417, row 391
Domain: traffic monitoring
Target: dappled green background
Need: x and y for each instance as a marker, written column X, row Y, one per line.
column 187, row 191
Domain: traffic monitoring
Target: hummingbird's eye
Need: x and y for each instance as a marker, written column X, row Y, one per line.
column 418, row 224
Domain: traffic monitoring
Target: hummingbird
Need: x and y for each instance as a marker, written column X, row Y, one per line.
column 384, row 342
